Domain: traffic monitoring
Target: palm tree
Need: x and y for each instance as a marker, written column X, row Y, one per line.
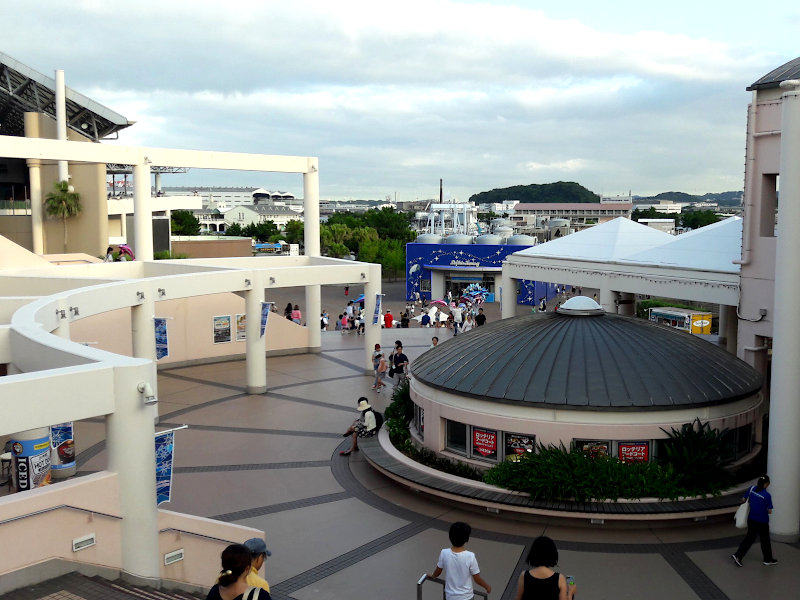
column 63, row 202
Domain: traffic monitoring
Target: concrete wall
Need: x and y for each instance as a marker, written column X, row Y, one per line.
column 189, row 328
column 213, row 248
column 88, row 231
column 17, row 229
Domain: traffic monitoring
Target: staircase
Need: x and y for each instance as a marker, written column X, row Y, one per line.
column 74, row 586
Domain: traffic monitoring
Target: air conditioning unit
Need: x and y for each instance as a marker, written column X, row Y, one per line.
column 84, row 542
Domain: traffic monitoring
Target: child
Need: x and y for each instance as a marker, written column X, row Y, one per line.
column 459, row 565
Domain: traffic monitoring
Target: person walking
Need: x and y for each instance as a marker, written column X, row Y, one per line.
column 287, row 312
column 297, row 316
column 232, row 583
column 258, row 554
column 757, row 523
column 541, row 581
column 459, row 565
column 480, row 318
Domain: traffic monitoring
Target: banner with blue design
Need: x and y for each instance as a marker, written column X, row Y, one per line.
column 377, row 314
column 62, row 446
column 165, row 451
column 265, row 308
column 162, row 341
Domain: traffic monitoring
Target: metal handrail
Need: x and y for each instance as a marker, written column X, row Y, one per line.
column 59, row 507
column 200, row 535
column 427, row 577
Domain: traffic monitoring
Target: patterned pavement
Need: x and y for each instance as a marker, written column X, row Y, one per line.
column 338, row 529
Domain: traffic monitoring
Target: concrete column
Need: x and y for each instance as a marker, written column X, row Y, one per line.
column 627, row 304
column 312, row 314
column 784, row 419
column 35, row 177
column 256, row 363
column 143, row 337
column 158, row 182
column 131, row 455
column 606, row 298
column 508, row 306
column 313, row 307
column 728, row 328
column 142, row 213
column 123, row 226
column 372, row 333
column 61, row 121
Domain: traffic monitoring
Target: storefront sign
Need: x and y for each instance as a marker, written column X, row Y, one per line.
column 484, row 442
column 519, row 444
column 634, row 451
column 593, row 449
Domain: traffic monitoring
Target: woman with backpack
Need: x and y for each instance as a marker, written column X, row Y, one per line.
column 364, row 426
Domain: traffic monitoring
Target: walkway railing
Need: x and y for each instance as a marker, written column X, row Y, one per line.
column 425, row 577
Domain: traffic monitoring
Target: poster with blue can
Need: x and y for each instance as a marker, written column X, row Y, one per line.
column 162, row 341
column 62, row 446
column 165, row 452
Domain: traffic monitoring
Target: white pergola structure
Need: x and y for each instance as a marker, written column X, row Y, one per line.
column 95, row 383
column 622, row 258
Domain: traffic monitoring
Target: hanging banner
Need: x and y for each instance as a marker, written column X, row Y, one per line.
column 31, row 462
column 162, row 343
column 222, row 329
column 165, row 450
column 62, row 446
column 241, row 327
column 377, row 314
column 265, row 309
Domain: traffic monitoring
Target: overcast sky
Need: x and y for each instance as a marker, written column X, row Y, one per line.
column 618, row 96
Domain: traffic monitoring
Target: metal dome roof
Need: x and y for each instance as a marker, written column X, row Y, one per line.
column 790, row 70
column 609, row 363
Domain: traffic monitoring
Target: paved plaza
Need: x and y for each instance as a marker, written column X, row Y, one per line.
column 338, row 529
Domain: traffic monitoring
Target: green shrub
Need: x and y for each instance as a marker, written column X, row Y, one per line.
column 167, row 255
column 697, row 455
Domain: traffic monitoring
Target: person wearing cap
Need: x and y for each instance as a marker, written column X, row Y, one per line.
column 365, row 426
column 258, row 554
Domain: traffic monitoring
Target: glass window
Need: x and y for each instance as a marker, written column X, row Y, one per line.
column 425, row 285
column 484, row 443
column 456, row 437
column 419, row 421
column 517, row 444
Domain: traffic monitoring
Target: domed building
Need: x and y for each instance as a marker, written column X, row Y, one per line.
column 582, row 377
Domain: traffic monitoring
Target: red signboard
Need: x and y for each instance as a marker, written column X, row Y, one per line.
column 634, row 451
column 484, row 441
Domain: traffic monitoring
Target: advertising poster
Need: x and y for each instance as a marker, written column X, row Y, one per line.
column 592, row 449
column 62, row 446
column 484, row 442
column 162, row 343
column 222, row 329
column 241, row 327
column 634, row 451
column 165, row 451
column 266, row 307
column 377, row 314
column 518, row 444
column 31, row 462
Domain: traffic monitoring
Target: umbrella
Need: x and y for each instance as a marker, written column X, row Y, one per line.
column 359, row 299
column 441, row 303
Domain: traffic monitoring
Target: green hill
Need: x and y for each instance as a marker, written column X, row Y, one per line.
column 561, row 191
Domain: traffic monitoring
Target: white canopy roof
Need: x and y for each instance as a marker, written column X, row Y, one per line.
column 711, row 248
column 608, row 241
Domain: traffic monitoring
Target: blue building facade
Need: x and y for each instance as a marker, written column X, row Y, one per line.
column 433, row 270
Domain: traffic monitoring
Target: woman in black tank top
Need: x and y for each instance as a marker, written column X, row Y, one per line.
column 541, row 582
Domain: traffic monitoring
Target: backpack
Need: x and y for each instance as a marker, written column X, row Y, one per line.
column 378, row 420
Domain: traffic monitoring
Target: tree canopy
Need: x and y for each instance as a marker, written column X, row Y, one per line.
column 690, row 219
column 183, row 222
column 560, row 191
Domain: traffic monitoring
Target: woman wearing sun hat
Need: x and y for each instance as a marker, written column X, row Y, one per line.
column 365, row 426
